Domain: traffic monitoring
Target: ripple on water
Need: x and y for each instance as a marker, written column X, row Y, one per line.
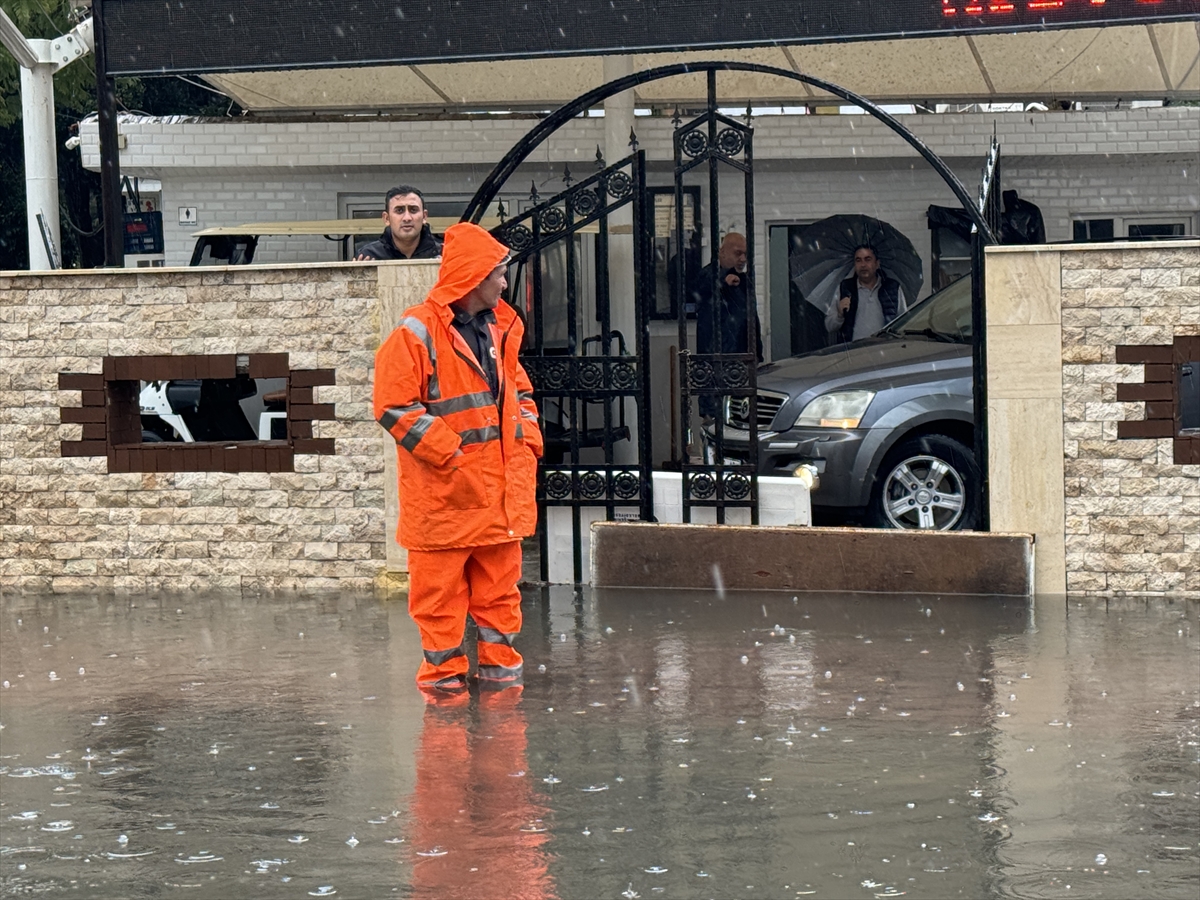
column 203, row 856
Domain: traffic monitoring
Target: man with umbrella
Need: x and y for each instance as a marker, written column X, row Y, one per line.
column 866, row 301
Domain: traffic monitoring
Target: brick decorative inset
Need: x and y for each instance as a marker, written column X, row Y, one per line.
column 1160, row 391
column 111, row 415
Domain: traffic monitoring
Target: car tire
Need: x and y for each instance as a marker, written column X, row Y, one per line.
column 929, row 482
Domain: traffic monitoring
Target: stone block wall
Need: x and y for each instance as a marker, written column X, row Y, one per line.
column 1084, row 451
column 67, row 523
column 1132, row 508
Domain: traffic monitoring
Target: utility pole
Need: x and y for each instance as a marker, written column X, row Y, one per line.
column 113, row 208
column 39, row 60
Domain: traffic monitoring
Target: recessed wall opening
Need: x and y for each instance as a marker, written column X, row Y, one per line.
column 1171, row 391
column 220, row 413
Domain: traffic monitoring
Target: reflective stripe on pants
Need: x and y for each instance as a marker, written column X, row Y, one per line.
column 445, row 586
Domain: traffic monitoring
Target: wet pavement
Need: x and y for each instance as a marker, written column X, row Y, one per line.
column 667, row 745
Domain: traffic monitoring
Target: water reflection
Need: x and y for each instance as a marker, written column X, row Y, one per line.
column 479, row 827
column 673, row 744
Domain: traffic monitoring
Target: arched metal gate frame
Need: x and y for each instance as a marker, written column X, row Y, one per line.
column 716, row 483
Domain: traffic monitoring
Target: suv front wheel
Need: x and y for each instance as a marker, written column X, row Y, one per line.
column 928, row 482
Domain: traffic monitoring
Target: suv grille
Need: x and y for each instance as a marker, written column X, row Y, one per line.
column 737, row 410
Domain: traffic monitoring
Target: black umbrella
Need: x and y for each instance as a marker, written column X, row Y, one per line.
column 822, row 255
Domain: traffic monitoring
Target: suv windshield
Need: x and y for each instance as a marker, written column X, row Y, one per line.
column 944, row 316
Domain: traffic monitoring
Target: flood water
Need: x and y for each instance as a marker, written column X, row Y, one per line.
column 667, row 745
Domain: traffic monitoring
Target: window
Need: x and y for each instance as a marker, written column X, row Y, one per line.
column 226, row 413
column 1136, row 227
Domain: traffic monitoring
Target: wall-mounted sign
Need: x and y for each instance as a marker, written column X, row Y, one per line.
column 187, row 215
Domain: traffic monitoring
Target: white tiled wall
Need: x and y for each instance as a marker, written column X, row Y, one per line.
column 806, row 167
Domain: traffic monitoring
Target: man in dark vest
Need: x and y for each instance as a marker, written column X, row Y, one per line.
column 865, row 302
column 406, row 233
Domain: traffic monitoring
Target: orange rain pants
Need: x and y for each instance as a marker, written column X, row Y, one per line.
column 445, row 586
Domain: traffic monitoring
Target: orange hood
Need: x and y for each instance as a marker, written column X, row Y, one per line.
column 468, row 256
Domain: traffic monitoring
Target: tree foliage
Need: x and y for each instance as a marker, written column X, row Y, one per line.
column 74, row 86
column 75, row 100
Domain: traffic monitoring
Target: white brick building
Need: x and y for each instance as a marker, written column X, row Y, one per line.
column 1129, row 165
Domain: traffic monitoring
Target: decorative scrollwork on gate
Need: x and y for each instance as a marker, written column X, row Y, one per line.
column 713, row 371
column 547, row 374
column 558, row 484
column 593, row 485
column 735, row 374
column 737, row 486
column 585, row 202
column 583, row 375
column 619, row 185
column 591, row 376
column 623, row 376
column 516, row 237
column 730, row 141
column 694, row 142
column 702, row 485
column 627, row 485
column 701, row 374
column 552, row 219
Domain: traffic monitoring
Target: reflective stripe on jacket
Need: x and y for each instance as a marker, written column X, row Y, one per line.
column 467, row 462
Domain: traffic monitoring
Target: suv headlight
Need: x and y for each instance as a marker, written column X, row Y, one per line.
column 841, row 409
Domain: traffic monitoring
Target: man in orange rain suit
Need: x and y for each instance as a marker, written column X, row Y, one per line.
column 450, row 390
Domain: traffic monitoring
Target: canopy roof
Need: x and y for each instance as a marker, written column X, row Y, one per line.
column 1127, row 62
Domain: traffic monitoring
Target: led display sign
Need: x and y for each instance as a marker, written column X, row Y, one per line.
column 148, row 37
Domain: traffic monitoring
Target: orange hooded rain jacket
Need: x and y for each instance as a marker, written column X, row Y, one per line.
column 467, row 461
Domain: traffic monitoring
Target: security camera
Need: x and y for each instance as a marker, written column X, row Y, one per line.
column 72, row 142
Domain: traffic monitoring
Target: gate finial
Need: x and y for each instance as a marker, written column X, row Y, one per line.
column 533, row 192
column 599, row 159
column 676, row 119
column 633, row 141
column 567, row 177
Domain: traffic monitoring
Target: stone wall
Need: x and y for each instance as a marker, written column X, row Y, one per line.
column 1132, row 511
column 1113, row 511
column 67, row 523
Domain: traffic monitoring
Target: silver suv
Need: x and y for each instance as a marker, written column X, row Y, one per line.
column 886, row 421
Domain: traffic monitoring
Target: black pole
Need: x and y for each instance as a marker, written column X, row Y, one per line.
column 979, row 373
column 112, row 209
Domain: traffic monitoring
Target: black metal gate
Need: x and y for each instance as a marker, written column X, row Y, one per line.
column 590, row 380
column 717, row 472
column 593, row 388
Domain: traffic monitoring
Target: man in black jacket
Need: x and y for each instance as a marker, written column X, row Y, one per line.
column 732, row 326
column 723, row 322
column 407, row 234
